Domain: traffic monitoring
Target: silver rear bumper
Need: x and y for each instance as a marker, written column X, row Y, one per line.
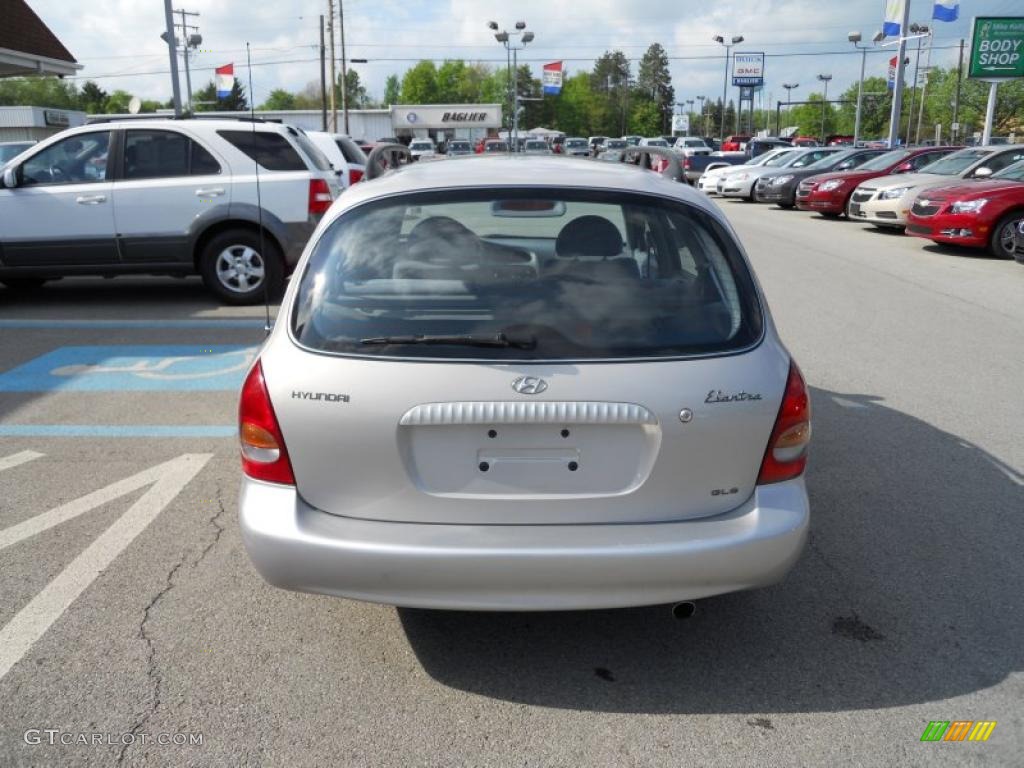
column 522, row 567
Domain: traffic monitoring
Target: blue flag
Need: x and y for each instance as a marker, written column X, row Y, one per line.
column 893, row 17
column 946, row 10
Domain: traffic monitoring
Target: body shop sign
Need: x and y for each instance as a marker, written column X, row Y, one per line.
column 997, row 48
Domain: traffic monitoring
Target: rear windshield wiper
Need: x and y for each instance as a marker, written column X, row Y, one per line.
column 464, row 340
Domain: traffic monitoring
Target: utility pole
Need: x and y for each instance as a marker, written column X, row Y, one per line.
column 956, row 98
column 330, row 33
column 897, row 93
column 913, row 89
column 924, row 89
column 186, row 43
column 344, row 65
column 172, row 50
column 323, row 78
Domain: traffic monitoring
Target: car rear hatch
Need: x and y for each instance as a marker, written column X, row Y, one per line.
column 381, row 427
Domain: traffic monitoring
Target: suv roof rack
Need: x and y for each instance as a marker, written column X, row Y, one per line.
column 159, row 116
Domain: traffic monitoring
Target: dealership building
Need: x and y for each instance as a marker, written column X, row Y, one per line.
column 440, row 122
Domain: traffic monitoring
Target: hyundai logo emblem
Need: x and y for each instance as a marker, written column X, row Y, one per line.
column 529, row 385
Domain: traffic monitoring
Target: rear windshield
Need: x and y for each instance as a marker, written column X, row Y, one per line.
column 951, row 165
column 526, row 274
column 536, row 145
column 459, row 145
column 882, row 162
column 351, row 151
column 313, row 152
column 421, row 145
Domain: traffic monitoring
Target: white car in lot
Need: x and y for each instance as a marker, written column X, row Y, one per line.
column 164, row 197
column 885, row 201
column 708, row 181
column 740, row 182
column 422, row 148
column 501, row 384
column 345, row 155
column 690, row 146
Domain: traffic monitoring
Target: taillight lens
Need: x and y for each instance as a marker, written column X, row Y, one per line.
column 786, row 456
column 264, row 455
column 354, row 175
column 319, row 196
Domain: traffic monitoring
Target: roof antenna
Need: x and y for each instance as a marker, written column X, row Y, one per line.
column 267, row 325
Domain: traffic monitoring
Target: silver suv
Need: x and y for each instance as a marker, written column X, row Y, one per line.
column 165, row 196
column 551, row 391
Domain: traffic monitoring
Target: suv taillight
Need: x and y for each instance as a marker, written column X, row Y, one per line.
column 354, row 175
column 264, row 456
column 786, row 455
column 319, row 196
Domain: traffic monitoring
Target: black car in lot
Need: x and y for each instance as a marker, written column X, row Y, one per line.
column 779, row 186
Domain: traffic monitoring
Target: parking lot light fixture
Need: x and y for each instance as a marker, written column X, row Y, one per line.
column 789, row 95
column 824, row 104
column 512, row 61
column 855, row 38
column 720, row 39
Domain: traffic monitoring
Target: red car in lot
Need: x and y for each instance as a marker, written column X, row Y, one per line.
column 979, row 214
column 736, row 143
column 829, row 193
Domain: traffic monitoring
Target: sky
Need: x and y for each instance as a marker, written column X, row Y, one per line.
column 118, row 41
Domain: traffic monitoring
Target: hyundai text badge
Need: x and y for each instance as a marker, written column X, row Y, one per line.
column 529, row 385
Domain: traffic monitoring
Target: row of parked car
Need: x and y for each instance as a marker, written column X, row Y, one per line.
column 965, row 196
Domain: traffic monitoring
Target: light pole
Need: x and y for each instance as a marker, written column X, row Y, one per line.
column 790, row 87
column 824, row 104
column 505, row 38
column 703, row 124
column 736, row 39
column 921, row 30
column 689, row 114
column 855, row 38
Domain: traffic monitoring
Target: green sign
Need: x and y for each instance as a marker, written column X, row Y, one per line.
column 997, row 48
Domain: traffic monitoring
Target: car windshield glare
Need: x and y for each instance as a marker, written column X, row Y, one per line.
column 885, row 160
column 572, row 274
column 956, row 163
column 781, row 159
column 828, row 161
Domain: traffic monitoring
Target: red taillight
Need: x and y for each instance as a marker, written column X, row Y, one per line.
column 786, row 455
column 319, row 196
column 686, row 162
column 264, row 455
column 354, row 175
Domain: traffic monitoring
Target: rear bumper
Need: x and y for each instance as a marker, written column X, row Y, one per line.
column 522, row 567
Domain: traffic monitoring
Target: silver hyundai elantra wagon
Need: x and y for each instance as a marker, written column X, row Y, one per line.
column 523, row 383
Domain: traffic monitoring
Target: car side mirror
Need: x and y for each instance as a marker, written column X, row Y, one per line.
column 903, row 168
column 983, row 172
column 10, row 178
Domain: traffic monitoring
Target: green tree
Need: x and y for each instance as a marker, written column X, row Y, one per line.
column 392, row 90
column 354, row 89
column 38, row 92
column 451, row 76
column 655, row 81
column 419, row 85
column 279, row 98
column 205, row 99
column 645, row 118
column 117, row 103
column 92, row 98
column 310, row 97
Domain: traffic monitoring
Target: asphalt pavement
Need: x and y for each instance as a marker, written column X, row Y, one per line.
column 129, row 613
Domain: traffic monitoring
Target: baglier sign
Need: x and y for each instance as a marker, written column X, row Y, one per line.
column 997, row 48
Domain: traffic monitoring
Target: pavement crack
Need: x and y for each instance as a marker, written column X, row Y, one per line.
column 153, row 674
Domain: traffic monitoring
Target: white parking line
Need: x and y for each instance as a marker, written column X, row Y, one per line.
column 16, row 459
column 65, row 512
column 32, row 621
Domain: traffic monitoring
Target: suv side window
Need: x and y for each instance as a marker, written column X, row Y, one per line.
column 354, row 154
column 924, row 159
column 164, row 154
column 78, row 159
column 271, row 150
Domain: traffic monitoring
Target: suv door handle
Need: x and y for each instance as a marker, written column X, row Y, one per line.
column 209, row 191
column 91, row 199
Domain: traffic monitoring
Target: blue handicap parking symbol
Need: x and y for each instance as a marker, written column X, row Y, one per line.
column 132, row 368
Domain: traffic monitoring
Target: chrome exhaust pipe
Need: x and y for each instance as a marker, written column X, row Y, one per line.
column 684, row 610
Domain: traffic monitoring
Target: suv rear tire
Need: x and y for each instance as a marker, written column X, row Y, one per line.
column 233, row 267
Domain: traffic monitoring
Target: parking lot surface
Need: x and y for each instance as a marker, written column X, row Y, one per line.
column 129, row 606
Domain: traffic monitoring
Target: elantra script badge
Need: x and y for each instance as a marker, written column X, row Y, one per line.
column 720, row 397
column 529, row 385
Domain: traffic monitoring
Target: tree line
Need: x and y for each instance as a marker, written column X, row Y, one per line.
column 609, row 99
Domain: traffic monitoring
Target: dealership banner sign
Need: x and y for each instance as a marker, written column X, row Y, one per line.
column 748, row 69
column 997, row 48
column 552, row 78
